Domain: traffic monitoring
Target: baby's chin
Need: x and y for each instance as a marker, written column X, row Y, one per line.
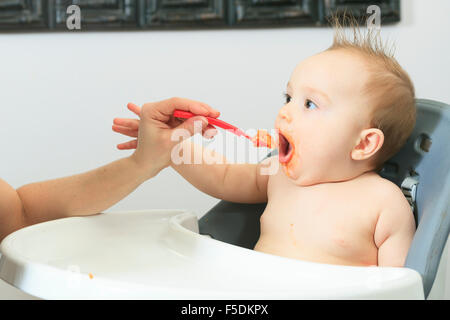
column 291, row 168
column 298, row 172
column 299, row 179
column 300, row 176
column 289, row 172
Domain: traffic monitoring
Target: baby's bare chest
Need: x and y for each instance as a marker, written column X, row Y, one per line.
column 330, row 219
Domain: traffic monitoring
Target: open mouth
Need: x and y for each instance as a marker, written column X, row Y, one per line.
column 285, row 149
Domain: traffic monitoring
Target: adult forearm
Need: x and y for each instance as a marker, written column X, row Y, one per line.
column 82, row 194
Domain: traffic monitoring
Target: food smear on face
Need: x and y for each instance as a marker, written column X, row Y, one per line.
column 289, row 168
column 262, row 139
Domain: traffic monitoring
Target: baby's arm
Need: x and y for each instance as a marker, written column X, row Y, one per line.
column 227, row 181
column 394, row 230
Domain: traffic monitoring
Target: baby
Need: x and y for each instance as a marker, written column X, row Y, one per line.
column 348, row 109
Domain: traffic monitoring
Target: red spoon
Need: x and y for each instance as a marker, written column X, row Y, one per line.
column 262, row 139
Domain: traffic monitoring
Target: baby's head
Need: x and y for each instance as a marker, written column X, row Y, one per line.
column 348, row 110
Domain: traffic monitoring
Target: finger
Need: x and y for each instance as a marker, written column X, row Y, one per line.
column 134, row 108
column 127, row 145
column 125, row 131
column 175, row 122
column 163, row 110
column 192, row 125
column 209, row 132
column 213, row 113
column 210, row 126
column 129, row 123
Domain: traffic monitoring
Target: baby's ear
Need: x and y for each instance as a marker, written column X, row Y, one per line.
column 369, row 142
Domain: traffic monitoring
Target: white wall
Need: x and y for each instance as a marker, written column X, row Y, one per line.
column 60, row 91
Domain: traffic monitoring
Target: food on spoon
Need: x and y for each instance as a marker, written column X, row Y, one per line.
column 262, row 139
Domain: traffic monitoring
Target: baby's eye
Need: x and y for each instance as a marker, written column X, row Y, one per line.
column 310, row 105
column 287, row 97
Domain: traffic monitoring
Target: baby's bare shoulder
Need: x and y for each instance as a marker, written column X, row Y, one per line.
column 380, row 187
column 387, row 196
column 395, row 214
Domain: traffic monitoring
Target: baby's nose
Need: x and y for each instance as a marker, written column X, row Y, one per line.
column 285, row 115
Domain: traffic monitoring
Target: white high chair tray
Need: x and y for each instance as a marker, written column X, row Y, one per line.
column 158, row 254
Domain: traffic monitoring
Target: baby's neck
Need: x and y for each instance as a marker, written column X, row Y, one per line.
column 353, row 177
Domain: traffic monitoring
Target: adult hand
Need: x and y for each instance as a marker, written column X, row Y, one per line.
column 155, row 128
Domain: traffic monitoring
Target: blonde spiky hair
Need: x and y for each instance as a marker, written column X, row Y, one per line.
column 389, row 87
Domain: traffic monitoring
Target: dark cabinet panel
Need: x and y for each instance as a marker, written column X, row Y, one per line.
column 184, row 12
column 156, row 14
column 390, row 9
column 17, row 14
column 99, row 13
column 272, row 12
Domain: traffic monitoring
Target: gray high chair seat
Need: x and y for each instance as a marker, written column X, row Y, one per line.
column 421, row 169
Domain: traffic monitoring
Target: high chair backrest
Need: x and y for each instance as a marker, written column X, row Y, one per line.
column 421, row 168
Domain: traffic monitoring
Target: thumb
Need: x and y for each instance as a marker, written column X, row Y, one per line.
column 194, row 125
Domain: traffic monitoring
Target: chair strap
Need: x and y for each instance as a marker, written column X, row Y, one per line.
column 409, row 189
